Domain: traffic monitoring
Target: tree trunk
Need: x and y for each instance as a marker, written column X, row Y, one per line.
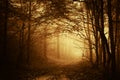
column 4, row 54
column 89, row 39
column 45, row 43
column 29, row 35
column 102, row 27
column 20, row 59
column 58, row 46
column 111, row 35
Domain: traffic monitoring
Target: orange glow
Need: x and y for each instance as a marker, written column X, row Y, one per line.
column 68, row 50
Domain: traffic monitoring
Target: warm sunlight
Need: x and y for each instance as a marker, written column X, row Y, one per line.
column 69, row 49
column 59, row 40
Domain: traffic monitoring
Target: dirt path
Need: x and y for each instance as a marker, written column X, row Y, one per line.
column 79, row 71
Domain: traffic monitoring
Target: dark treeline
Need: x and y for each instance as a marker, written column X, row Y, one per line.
column 19, row 20
column 102, row 12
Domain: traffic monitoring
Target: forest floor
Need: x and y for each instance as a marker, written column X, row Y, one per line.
column 78, row 71
column 50, row 71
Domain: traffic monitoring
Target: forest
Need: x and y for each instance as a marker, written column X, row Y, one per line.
column 59, row 40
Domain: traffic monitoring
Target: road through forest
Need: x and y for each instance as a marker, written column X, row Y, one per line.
column 78, row 71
